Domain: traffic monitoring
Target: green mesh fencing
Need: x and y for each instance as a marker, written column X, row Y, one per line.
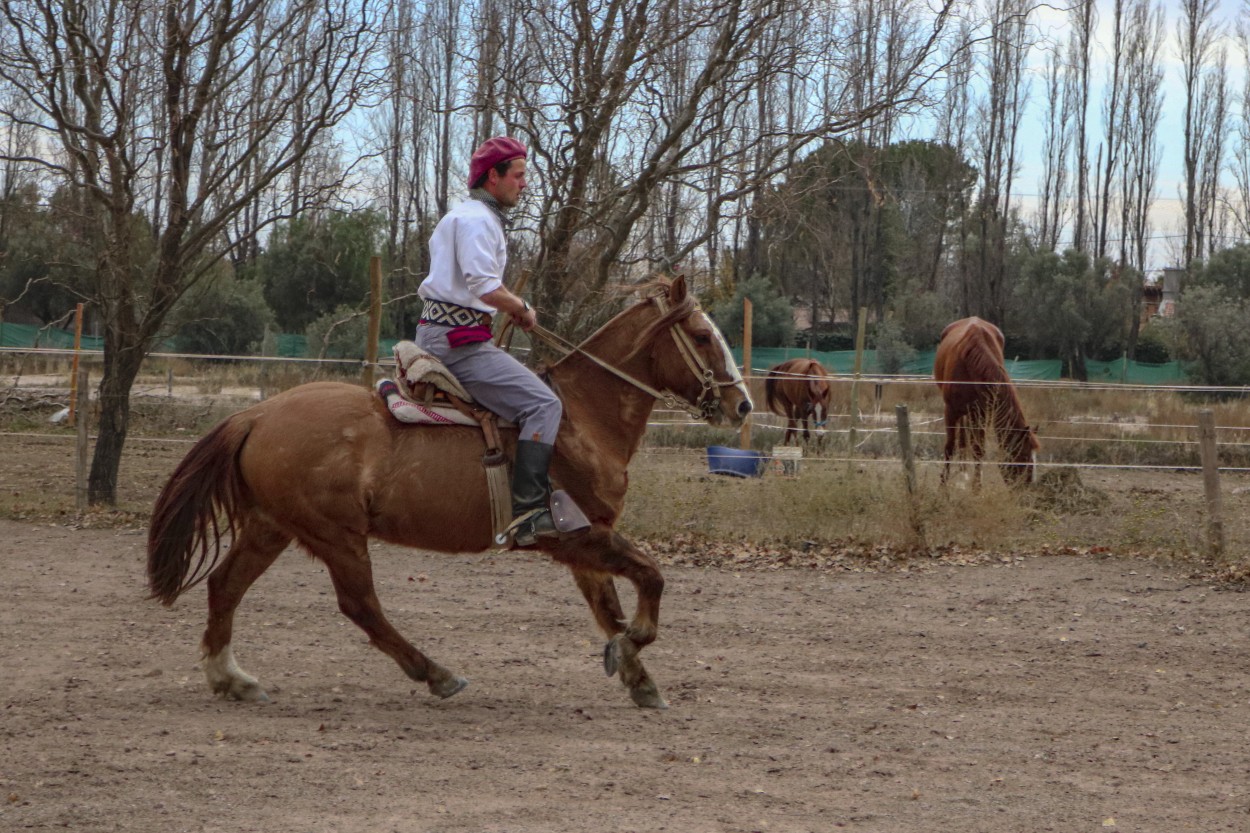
column 291, row 345
column 842, row 362
column 1136, row 373
column 29, row 335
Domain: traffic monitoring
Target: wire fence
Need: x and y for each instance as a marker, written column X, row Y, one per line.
column 221, row 383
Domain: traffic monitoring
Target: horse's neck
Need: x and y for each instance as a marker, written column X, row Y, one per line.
column 1009, row 420
column 1008, row 415
column 601, row 404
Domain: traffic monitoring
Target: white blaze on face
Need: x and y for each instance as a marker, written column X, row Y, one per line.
column 730, row 365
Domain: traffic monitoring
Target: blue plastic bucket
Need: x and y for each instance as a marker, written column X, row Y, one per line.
column 734, row 461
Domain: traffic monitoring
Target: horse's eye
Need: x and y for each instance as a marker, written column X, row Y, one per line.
column 702, row 339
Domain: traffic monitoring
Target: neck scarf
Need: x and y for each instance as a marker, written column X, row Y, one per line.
column 482, row 195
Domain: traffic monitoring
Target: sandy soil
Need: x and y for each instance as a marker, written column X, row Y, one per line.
column 1036, row 694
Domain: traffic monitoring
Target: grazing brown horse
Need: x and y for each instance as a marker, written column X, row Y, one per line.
column 977, row 391
column 798, row 389
column 326, row 466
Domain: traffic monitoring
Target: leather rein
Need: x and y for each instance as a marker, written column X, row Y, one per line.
column 709, row 400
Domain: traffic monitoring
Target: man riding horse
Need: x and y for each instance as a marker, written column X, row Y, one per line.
column 464, row 290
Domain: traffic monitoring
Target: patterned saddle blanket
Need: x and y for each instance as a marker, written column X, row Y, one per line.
column 423, row 388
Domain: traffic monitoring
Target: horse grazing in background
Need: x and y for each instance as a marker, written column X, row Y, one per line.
column 798, row 389
column 977, row 391
column 325, row 465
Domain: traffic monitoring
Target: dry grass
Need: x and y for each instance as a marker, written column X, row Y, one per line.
column 1156, row 512
column 829, row 500
column 850, row 487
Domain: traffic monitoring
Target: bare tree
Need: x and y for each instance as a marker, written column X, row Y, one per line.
column 407, row 129
column 17, row 140
column 611, row 128
column 486, row 105
column 1083, row 22
column 1000, row 112
column 1196, row 39
column 1143, row 111
column 1239, row 163
column 955, row 109
column 1112, row 115
column 1211, row 127
column 140, row 105
column 1053, row 208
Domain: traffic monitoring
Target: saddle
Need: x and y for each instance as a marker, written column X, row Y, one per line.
column 427, row 393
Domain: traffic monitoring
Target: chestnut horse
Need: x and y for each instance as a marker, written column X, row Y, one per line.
column 798, row 390
column 326, row 466
column 977, row 391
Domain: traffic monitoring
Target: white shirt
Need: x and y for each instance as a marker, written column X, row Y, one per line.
column 468, row 254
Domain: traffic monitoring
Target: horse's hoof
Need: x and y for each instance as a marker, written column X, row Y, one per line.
column 611, row 657
column 646, row 696
column 451, row 686
column 249, row 692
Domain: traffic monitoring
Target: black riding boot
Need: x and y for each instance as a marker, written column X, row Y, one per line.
column 531, row 492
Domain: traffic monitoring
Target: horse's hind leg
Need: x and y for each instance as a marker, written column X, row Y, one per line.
column 352, row 574
column 258, row 544
column 594, row 557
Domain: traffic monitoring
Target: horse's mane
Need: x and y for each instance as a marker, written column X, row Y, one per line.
column 980, row 360
column 982, row 363
column 654, row 288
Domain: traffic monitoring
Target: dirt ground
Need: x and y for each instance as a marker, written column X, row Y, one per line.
column 1092, row 690
column 1033, row 694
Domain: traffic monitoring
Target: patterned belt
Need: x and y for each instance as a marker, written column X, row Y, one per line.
column 447, row 314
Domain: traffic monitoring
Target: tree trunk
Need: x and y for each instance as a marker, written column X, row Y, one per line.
column 122, row 360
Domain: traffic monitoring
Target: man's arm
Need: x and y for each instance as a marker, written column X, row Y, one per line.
column 505, row 300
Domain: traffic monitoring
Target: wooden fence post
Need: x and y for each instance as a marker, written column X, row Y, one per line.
column 265, row 342
column 375, row 317
column 73, row 373
column 909, row 470
column 1211, row 483
column 80, row 446
column 859, row 366
column 745, row 435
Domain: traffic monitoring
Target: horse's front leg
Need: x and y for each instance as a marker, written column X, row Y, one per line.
column 600, row 594
column 976, row 442
column 595, row 557
column 952, row 439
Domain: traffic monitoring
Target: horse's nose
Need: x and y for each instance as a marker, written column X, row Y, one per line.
column 744, row 408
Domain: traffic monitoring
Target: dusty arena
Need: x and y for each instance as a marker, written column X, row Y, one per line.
column 1068, row 692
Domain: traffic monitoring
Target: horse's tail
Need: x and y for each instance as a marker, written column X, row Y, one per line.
column 206, row 484
column 770, row 392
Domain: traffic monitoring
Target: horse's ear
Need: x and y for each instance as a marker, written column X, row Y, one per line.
column 677, row 290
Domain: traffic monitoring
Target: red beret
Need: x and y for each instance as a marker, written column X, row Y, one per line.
column 491, row 153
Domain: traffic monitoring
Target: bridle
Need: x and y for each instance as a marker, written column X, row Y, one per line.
column 709, row 401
